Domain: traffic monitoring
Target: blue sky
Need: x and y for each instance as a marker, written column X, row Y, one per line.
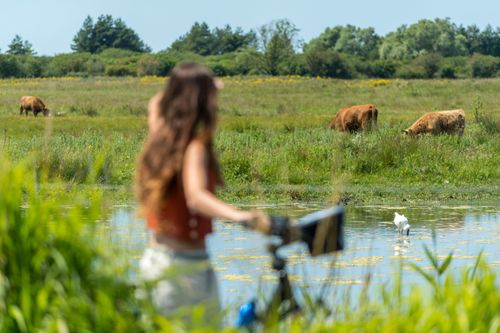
column 51, row 24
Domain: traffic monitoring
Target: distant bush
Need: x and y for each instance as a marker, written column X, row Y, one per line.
column 410, row 71
column 328, row 63
column 447, row 72
column 296, row 65
column 314, row 61
column 454, row 67
column 95, row 66
column 378, row 68
column 148, row 65
column 429, row 64
column 68, row 64
column 9, row 66
column 483, row 66
column 32, row 66
column 224, row 65
column 120, row 70
column 248, row 61
column 166, row 63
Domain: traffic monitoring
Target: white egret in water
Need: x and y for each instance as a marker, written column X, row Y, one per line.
column 402, row 223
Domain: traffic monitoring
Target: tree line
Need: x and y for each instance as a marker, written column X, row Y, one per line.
column 426, row 49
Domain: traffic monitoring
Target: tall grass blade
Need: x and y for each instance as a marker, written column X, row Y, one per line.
column 423, row 273
column 431, row 258
column 445, row 264
column 476, row 265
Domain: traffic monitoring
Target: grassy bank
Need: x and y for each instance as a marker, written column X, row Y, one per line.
column 273, row 139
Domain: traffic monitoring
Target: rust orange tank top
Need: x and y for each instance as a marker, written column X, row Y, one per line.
column 175, row 219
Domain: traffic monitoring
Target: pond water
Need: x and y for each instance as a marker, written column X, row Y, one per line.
column 373, row 247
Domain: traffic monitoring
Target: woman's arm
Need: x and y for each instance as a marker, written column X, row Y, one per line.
column 154, row 120
column 199, row 199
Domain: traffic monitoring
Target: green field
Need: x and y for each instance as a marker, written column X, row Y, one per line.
column 273, row 140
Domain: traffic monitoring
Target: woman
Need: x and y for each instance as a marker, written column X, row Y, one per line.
column 176, row 177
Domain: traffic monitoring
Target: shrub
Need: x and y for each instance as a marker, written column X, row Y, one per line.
column 483, row 66
column 119, row 70
column 222, row 65
column 33, row 66
column 166, row 62
column 328, row 63
column 9, row 66
column 379, row 69
column 447, row 72
column 148, row 65
column 410, row 71
column 95, row 66
column 249, row 61
column 68, row 64
column 457, row 66
column 429, row 63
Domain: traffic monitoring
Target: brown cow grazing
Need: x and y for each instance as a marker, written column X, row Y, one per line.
column 355, row 118
column 33, row 104
column 450, row 122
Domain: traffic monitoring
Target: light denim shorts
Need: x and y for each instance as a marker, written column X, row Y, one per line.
column 179, row 280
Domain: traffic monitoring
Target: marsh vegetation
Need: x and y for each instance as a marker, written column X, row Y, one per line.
column 273, row 142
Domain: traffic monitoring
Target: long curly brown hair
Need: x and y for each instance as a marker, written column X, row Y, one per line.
column 187, row 110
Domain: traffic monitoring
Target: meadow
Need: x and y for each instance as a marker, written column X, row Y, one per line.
column 59, row 274
column 273, row 139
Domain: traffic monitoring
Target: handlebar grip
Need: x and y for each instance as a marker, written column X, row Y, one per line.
column 280, row 225
column 247, row 224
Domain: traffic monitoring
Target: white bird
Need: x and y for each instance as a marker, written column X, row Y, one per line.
column 401, row 223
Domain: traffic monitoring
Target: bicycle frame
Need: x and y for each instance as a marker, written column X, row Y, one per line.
column 282, row 302
column 322, row 231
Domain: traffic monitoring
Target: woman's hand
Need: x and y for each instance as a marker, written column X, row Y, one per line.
column 257, row 220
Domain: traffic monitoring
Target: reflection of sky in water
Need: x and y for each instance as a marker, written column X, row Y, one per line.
column 373, row 247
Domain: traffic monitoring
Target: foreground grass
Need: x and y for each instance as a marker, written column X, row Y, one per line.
column 273, row 139
column 56, row 276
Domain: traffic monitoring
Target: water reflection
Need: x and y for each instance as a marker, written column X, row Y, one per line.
column 374, row 247
column 402, row 246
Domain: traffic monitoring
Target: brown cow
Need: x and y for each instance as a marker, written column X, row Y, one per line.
column 33, row 104
column 450, row 122
column 355, row 118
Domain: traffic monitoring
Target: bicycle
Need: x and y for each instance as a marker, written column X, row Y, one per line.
column 323, row 232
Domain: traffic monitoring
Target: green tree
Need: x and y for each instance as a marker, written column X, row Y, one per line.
column 328, row 63
column 472, row 38
column 107, row 33
column 278, row 40
column 85, row 40
column 483, row 65
column 201, row 40
column 198, row 40
column 489, row 41
column 226, row 40
column 350, row 40
column 426, row 36
column 429, row 63
column 9, row 66
column 18, row 46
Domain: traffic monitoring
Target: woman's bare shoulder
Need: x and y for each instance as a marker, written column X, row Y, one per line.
column 154, row 101
column 196, row 145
